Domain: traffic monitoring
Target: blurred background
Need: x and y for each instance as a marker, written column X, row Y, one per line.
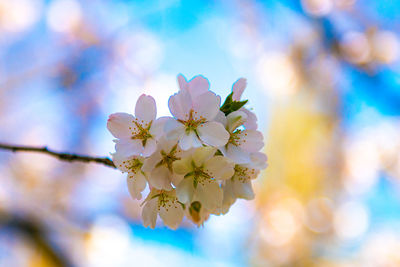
column 323, row 78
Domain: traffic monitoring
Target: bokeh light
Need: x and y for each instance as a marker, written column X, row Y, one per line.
column 351, row 220
column 317, row 7
column 64, row 15
column 356, row 47
column 277, row 74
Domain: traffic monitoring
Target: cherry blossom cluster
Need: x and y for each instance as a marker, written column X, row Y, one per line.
column 197, row 162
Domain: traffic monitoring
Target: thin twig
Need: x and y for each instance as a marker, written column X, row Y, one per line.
column 61, row 156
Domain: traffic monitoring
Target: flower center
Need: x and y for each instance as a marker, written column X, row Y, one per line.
column 193, row 122
column 199, row 175
column 243, row 174
column 168, row 158
column 235, row 138
column 142, row 132
column 133, row 165
column 166, row 200
column 136, row 165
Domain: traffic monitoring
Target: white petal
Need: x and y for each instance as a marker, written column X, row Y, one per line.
column 235, row 119
column 213, row 134
column 189, row 140
column 221, row 118
column 203, row 154
column 238, row 89
column 182, row 82
column 182, row 166
column 251, row 121
column 185, row 190
column 136, row 184
column 210, row 194
column 157, row 127
column 167, row 145
column 236, row 154
column 219, row 167
column 197, row 142
column 243, row 189
column 172, row 215
column 251, row 140
column 258, row 160
column 160, row 178
column 197, row 85
column 176, row 178
column 128, row 147
column 149, row 213
column 145, row 110
column 229, row 196
column 150, row 163
column 174, row 130
column 180, row 105
column 206, row 106
column 121, row 125
column 150, row 147
column 184, row 153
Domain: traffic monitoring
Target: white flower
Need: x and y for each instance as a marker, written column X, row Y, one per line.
column 136, row 179
column 164, row 203
column 241, row 181
column 202, row 170
column 159, row 165
column 136, row 135
column 193, row 123
column 237, row 89
column 239, row 186
column 241, row 142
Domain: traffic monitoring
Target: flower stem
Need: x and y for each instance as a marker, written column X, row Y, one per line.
column 60, row 155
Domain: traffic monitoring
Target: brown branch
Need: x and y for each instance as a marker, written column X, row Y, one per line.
column 61, row 156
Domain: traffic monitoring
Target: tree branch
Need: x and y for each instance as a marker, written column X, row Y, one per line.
column 61, row 156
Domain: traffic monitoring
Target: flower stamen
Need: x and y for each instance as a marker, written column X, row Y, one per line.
column 193, row 122
column 168, row 158
column 143, row 132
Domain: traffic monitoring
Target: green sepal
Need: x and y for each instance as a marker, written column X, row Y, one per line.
column 182, row 204
column 230, row 106
column 196, row 206
column 218, row 153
